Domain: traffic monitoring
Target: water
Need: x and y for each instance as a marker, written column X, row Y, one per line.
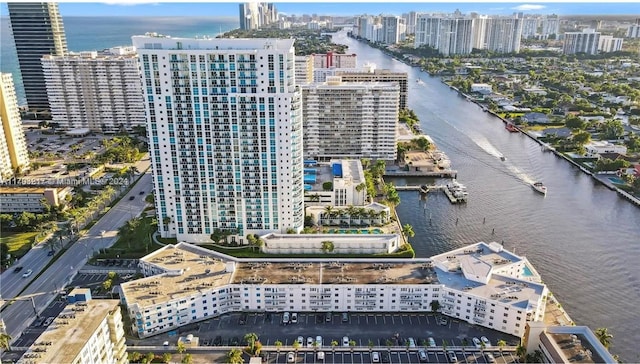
column 98, row 33
column 582, row 238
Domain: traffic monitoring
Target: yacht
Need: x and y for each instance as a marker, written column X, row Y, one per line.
column 539, row 187
column 512, row 128
column 457, row 192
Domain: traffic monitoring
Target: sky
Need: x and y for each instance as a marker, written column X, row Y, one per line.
column 332, row 7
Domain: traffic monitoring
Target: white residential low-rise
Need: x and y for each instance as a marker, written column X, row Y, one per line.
column 597, row 147
column 566, row 344
column 481, row 284
column 370, row 243
column 481, row 87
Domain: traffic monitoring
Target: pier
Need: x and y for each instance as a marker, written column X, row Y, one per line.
column 447, row 173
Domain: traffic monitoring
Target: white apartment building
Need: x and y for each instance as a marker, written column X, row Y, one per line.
column 225, row 131
column 304, row 69
column 634, row 30
column 337, row 60
column 84, row 332
column 530, row 27
column 14, row 199
column 586, row 41
column 608, row 44
column 97, row 91
column 14, row 155
column 479, row 32
column 503, row 34
column 350, row 119
column 393, row 29
column 369, row 73
column 448, row 34
column 566, row 344
column 410, row 21
column 550, row 26
column 481, row 284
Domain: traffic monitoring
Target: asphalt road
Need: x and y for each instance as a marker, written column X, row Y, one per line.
column 102, row 235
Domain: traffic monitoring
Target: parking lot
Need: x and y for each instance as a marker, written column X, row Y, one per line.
column 387, row 333
column 386, row 356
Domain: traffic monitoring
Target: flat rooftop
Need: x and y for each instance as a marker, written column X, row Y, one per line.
column 68, row 334
column 483, row 260
column 575, row 348
column 188, row 269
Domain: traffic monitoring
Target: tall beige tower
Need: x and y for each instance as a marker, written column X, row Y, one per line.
column 14, row 156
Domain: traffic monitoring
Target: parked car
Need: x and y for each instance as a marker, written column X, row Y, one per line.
column 320, row 355
column 412, row 343
column 294, row 318
column 291, row 357
column 486, row 341
column 285, row 318
column 319, row 341
column 345, row 317
column 451, row 356
column 27, row 273
column 422, row 355
column 431, row 342
column 345, row 341
column 327, row 317
column 477, row 343
column 375, row 357
column 309, row 342
column 490, row 358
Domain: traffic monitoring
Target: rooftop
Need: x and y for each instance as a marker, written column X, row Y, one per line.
column 68, row 334
column 574, row 344
column 165, row 42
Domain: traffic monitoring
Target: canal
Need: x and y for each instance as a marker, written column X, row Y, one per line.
column 582, row 238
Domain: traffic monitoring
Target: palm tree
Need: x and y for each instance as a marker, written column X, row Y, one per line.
column 296, row 345
column 5, row 341
column 278, row 345
column 604, row 336
column 188, row 359
column 407, row 230
column 251, row 339
column 334, row 343
column 501, row 344
column 181, row 349
column 234, row 356
column 166, row 357
column 521, row 352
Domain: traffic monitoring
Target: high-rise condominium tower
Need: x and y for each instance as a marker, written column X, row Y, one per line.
column 37, row 31
column 13, row 147
column 98, row 91
column 225, row 135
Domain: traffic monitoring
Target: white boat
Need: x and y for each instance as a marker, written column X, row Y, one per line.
column 539, row 187
column 457, row 192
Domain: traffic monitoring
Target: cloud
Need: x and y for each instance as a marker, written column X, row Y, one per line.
column 528, row 7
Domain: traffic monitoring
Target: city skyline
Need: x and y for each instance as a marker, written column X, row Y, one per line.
column 230, row 9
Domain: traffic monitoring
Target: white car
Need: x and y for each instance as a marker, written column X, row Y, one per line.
column 291, row 357
column 490, row 358
column 375, row 357
column 319, row 341
column 309, row 342
column 431, row 342
column 285, row 318
column 486, row 341
column 345, row 341
column 300, row 340
column 412, row 343
column 320, row 355
column 476, row 343
column 294, row 318
column 27, row 273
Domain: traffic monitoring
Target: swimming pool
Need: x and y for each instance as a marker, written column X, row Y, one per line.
column 526, row 272
column 616, row 180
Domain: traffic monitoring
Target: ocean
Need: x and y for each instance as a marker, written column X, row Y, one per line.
column 101, row 32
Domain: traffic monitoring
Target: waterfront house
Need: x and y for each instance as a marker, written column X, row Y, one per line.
column 482, row 88
column 558, row 132
column 535, row 118
column 599, row 147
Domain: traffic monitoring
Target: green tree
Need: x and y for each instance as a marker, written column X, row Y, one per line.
column 166, row 357
column 134, row 357
column 5, row 341
column 106, row 285
column 581, row 138
column 521, row 352
column 612, row 129
column 435, row 305
column 149, row 357
column 501, row 345
column 251, row 339
column 278, row 345
column 327, row 246
column 181, row 348
column 188, row 359
column 574, row 122
column 407, row 230
column 604, row 336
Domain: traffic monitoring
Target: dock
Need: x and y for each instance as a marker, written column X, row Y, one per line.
column 447, row 173
column 453, row 199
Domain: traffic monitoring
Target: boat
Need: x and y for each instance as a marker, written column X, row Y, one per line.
column 503, row 158
column 456, row 192
column 539, row 187
column 512, row 128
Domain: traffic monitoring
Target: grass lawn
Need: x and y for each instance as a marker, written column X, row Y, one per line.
column 135, row 245
column 539, row 127
column 18, row 243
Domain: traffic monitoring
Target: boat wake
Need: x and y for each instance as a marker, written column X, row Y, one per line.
column 483, row 143
column 521, row 175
